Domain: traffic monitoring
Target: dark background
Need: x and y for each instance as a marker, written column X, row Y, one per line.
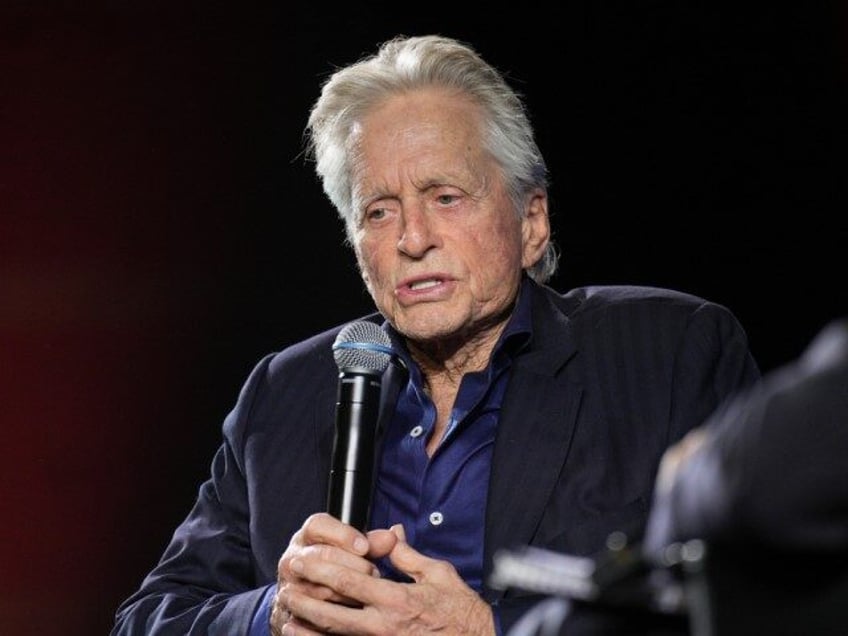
column 159, row 226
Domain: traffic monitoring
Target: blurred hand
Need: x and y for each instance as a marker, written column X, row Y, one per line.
column 676, row 455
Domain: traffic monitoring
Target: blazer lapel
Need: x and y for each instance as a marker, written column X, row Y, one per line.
column 534, row 434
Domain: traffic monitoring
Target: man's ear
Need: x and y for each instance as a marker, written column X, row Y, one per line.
column 535, row 228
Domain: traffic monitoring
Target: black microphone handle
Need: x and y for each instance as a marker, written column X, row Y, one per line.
column 357, row 408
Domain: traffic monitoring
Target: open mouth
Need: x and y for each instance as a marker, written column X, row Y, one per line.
column 424, row 284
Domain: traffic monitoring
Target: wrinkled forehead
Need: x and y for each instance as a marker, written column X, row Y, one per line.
column 421, row 138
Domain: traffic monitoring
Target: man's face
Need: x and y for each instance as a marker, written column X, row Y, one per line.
column 439, row 244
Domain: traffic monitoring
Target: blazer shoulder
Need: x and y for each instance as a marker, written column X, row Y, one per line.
column 313, row 351
column 291, row 376
column 591, row 301
column 663, row 312
column 595, row 296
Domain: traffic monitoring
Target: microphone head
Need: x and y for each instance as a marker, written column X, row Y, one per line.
column 363, row 346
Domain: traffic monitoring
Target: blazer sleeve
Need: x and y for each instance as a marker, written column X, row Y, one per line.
column 205, row 582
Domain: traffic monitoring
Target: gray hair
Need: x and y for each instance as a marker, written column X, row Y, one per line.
column 405, row 63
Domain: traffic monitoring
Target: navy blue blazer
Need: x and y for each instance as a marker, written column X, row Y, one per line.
column 612, row 376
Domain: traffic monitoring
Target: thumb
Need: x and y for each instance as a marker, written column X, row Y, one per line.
column 406, row 558
column 399, row 532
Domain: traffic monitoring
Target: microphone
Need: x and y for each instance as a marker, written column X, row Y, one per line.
column 362, row 352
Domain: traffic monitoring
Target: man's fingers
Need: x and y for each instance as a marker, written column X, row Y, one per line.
column 324, row 528
column 319, row 616
column 419, row 567
column 381, row 542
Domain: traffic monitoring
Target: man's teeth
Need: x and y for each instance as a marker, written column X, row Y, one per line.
column 423, row 284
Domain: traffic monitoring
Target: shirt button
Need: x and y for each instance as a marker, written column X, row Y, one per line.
column 416, row 432
column 436, row 518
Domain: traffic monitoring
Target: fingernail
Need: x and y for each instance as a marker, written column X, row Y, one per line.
column 296, row 565
column 399, row 531
column 360, row 545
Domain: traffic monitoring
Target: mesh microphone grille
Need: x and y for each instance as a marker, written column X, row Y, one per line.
column 362, row 345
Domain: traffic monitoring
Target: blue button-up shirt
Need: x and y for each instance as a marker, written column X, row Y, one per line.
column 441, row 500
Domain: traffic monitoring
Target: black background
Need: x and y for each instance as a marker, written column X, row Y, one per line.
column 161, row 229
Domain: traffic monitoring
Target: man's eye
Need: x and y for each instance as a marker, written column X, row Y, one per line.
column 375, row 214
column 446, row 199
